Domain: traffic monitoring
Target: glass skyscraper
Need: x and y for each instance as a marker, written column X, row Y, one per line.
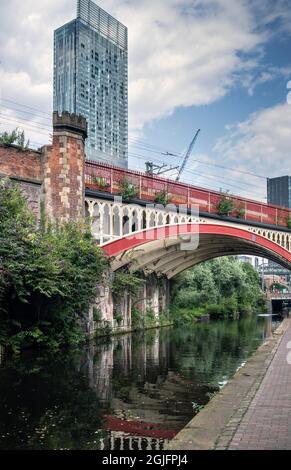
column 91, row 79
column 279, row 191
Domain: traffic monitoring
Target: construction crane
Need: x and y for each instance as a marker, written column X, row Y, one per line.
column 187, row 156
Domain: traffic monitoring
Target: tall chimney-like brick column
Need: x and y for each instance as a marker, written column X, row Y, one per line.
column 64, row 162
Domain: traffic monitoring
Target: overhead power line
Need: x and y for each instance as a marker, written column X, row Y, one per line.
column 30, row 126
column 177, row 155
column 142, row 157
column 25, row 106
column 145, row 146
column 25, row 112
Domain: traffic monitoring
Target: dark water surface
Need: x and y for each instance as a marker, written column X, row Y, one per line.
column 134, row 391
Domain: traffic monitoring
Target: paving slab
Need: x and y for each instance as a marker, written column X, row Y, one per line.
column 267, row 422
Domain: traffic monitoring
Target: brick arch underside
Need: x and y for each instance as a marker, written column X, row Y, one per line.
column 157, row 250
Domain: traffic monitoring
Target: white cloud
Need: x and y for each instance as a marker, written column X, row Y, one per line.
column 261, row 145
column 266, row 74
column 181, row 52
column 271, row 13
column 176, row 59
column 26, row 70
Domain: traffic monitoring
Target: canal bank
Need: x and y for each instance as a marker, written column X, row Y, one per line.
column 227, row 421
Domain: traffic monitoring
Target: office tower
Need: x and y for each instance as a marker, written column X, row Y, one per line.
column 279, row 191
column 91, row 79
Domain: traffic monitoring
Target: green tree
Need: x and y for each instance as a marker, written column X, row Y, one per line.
column 14, row 137
column 48, row 275
column 8, row 138
column 223, row 287
column 195, row 287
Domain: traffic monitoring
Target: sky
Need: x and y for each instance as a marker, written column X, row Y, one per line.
column 222, row 66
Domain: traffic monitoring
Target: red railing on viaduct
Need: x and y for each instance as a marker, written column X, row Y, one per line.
column 107, row 178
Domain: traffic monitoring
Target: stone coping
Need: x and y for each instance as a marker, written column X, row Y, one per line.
column 214, row 427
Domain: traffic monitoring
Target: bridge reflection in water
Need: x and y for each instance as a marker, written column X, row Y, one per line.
column 128, row 392
column 119, row 441
column 152, row 379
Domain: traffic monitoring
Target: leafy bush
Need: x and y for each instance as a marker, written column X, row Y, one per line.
column 15, row 137
column 227, row 308
column 278, row 286
column 125, row 282
column 8, row 138
column 48, row 275
column 100, row 182
column 240, row 212
column 136, row 319
column 128, row 190
column 187, row 297
column 225, row 204
column 183, row 316
column 288, row 222
column 162, row 198
column 164, row 318
column 118, row 317
column 150, row 318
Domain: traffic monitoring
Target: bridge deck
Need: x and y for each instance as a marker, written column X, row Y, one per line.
column 108, row 179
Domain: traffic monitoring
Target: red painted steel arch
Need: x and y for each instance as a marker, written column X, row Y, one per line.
column 131, row 241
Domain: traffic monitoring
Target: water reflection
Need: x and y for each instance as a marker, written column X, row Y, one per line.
column 129, row 392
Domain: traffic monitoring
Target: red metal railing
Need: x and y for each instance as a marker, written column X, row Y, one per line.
column 103, row 177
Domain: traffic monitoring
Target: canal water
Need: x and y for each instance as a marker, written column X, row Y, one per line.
column 134, row 391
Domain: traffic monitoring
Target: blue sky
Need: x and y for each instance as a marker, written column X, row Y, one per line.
column 175, row 133
column 218, row 65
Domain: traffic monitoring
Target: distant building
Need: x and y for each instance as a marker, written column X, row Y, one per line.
column 253, row 260
column 271, row 269
column 91, row 79
column 279, row 191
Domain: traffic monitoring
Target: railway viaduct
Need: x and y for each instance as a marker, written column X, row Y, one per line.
column 160, row 240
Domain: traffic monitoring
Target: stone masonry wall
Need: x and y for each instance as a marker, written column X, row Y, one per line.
column 103, row 307
column 32, row 193
column 153, row 297
column 16, row 163
column 24, row 168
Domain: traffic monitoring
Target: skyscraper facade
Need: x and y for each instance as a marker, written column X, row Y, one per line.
column 91, row 79
column 279, row 191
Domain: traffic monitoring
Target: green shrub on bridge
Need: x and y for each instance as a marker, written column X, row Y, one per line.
column 225, row 205
column 162, row 198
column 128, row 190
